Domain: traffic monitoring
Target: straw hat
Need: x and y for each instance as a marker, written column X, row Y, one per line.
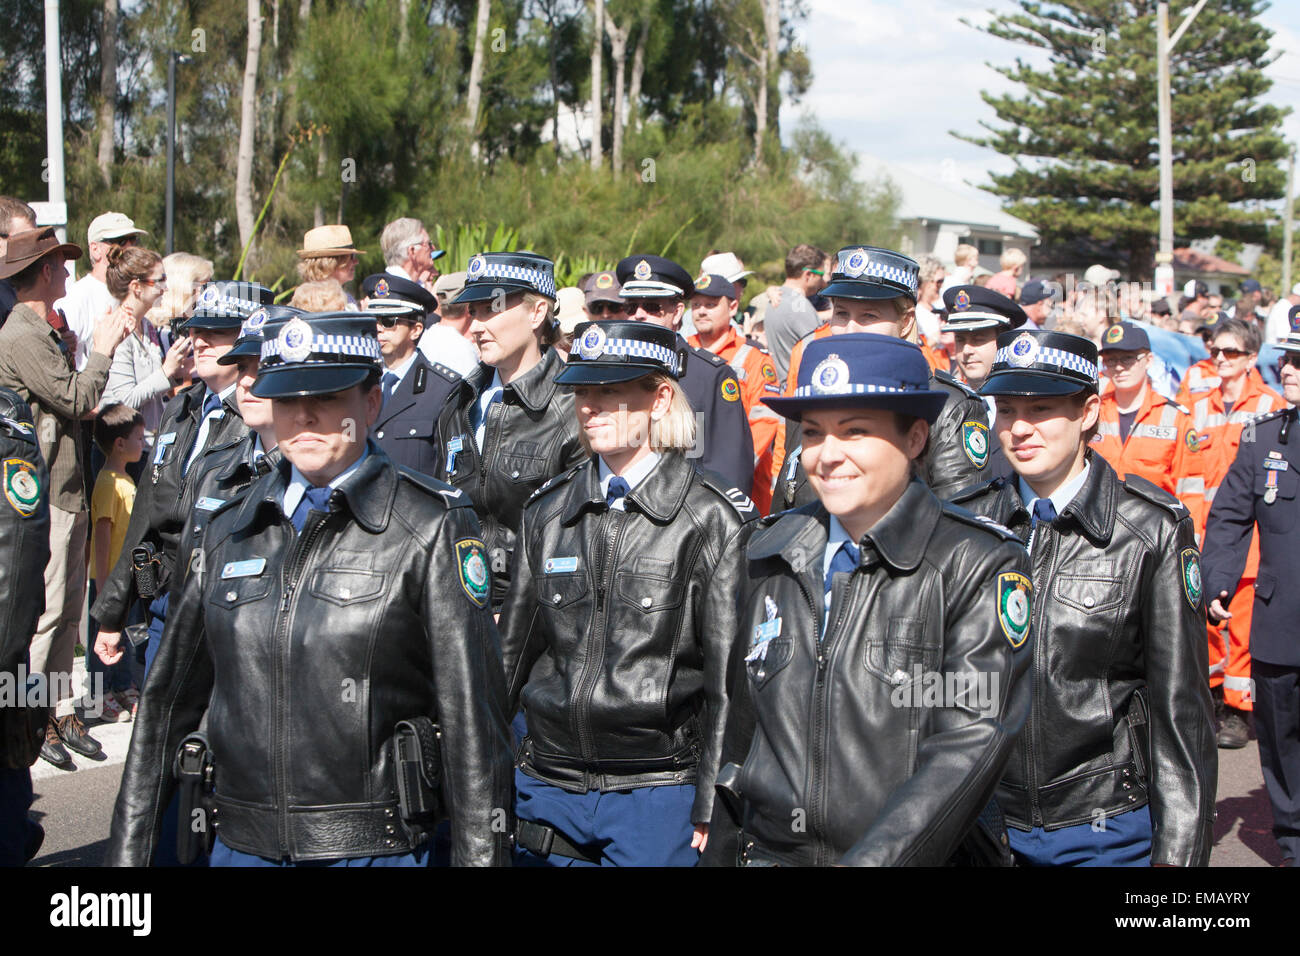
column 327, row 241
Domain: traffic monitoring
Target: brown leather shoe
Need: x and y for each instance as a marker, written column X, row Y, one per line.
column 53, row 751
column 1235, row 732
column 73, row 733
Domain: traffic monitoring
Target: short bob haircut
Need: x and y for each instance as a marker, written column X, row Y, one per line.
column 676, row 430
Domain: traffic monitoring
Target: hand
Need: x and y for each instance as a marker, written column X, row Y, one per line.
column 112, row 330
column 108, row 647
column 69, row 338
column 175, row 358
column 700, row 838
column 1218, row 609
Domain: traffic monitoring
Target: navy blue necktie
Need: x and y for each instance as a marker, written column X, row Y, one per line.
column 618, row 488
column 1044, row 510
column 211, row 404
column 843, row 562
column 315, row 499
column 390, row 385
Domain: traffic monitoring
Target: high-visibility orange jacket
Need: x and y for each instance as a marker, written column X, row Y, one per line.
column 757, row 377
column 791, row 380
column 1161, row 447
column 938, row 358
column 1200, row 378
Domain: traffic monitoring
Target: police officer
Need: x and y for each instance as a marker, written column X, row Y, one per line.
column 1117, row 764
column 24, row 551
column 621, row 618
column 884, row 636
column 414, row 388
column 325, row 750
column 1260, row 490
column 874, row 290
column 655, row 289
column 200, row 420
column 976, row 316
column 508, row 428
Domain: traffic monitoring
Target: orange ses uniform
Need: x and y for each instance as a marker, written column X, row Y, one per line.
column 1200, row 378
column 757, row 377
column 1220, row 434
column 1161, row 447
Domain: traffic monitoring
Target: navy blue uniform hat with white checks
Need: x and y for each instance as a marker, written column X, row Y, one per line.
column 490, row 274
column 862, row 369
column 1037, row 362
column 620, row 350
column 653, row 277
column 970, row 307
column 250, row 333
column 867, row 272
column 317, row 353
column 397, row 296
column 1125, row 337
column 225, row 305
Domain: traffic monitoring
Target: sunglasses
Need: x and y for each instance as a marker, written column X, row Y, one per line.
column 388, row 320
column 608, row 308
column 1121, row 361
column 160, row 281
column 1227, row 353
column 1292, row 359
column 650, row 306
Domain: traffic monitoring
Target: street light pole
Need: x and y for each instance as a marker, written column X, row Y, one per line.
column 1165, row 44
column 171, row 145
column 54, row 119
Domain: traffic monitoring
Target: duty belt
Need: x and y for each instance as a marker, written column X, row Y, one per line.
column 544, row 840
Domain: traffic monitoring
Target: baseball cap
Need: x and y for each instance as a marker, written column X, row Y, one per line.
column 112, row 225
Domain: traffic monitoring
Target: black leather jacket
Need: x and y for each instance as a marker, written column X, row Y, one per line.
column 24, row 552
column 952, row 459
column 847, row 756
column 165, row 498
column 1121, row 711
column 619, row 625
column 531, row 435
column 311, row 647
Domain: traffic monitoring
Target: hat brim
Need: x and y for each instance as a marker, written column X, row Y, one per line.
column 114, row 237
column 1031, row 383
column 248, row 348
column 337, row 251
column 927, row 404
column 212, row 322
column 604, row 373
column 853, row 289
column 71, row 251
column 482, row 291
column 292, row 380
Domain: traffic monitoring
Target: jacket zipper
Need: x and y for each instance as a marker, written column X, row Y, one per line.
column 302, row 548
column 611, row 532
column 816, row 821
column 1031, row 725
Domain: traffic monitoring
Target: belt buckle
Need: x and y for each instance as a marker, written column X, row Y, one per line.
column 542, row 836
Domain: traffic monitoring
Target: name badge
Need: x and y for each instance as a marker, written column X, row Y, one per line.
column 209, row 504
column 560, row 565
column 767, row 630
column 1272, row 464
column 161, row 448
column 243, row 569
column 454, row 448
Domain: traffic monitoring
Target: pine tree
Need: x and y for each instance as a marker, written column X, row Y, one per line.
column 1084, row 133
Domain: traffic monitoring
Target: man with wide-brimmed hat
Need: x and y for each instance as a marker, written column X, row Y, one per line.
column 35, row 364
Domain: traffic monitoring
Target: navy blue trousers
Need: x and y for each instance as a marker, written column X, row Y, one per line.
column 1125, row 841
column 1277, row 726
column 223, row 855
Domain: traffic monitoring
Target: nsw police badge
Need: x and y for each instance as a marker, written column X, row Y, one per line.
column 1014, row 591
column 1190, row 559
column 22, row 486
column 471, row 564
column 975, row 442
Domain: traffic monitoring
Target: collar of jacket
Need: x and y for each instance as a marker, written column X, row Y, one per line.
column 534, row 388
column 242, row 464
column 368, row 494
column 1093, row 508
column 899, row 538
column 659, row 497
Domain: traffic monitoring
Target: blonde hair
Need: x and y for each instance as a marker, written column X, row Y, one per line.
column 319, row 268
column 185, row 274
column 1011, row 258
column 324, row 295
column 676, row 430
column 966, row 255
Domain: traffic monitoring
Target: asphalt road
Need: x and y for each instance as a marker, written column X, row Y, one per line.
column 76, row 807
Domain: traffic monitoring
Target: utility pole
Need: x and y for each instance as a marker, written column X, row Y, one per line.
column 54, row 120
column 1287, row 222
column 172, row 59
column 1164, row 274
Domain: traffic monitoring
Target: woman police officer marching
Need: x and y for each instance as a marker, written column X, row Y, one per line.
column 1117, row 762
column 621, row 618
column 325, row 749
column 878, row 689
column 508, row 428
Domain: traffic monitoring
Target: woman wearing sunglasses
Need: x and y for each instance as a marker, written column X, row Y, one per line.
column 507, row 427
column 1220, row 415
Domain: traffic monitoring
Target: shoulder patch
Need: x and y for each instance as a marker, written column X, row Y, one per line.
column 472, row 567
column 451, row 497
column 735, row 497
column 983, row 522
column 1015, row 606
column 1137, row 485
column 1190, row 563
column 553, row 481
column 975, row 442
column 22, row 486
column 730, row 390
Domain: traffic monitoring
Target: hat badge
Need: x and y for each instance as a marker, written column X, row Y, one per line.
column 1024, row 350
column 856, row 263
column 295, row 340
column 702, row 281
column 831, row 376
column 592, row 344
column 476, row 268
column 255, row 321
column 381, row 288
column 1114, row 334
column 208, row 297
column 961, row 301
column 604, row 281
column 643, row 270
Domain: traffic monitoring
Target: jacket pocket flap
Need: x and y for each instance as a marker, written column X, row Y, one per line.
column 1264, row 585
column 1088, row 594
column 648, row 593
column 343, row 587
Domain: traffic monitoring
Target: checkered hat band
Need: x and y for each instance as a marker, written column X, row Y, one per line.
column 637, row 349
column 881, row 270
column 543, row 282
column 225, row 305
column 807, row 391
column 330, row 345
column 1049, row 356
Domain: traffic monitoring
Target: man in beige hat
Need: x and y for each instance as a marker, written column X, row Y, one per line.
column 88, row 298
column 35, row 364
column 327, row 253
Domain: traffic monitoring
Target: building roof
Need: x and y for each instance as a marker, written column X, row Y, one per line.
column 924, row 198
column 1192, row 260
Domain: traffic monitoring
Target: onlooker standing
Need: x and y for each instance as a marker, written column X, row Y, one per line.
column 15, row 216
column 186, row 274
column 929, row 301
column 141, row 376
column 327, row 253
column 324, row 295
column 1013, row 263
column 794, row 317
column 35, row 364
column 119, row 433
column 1278, row 325
column 89, row 298
column 966, row 259
column 409, row 252
column 446, row 338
